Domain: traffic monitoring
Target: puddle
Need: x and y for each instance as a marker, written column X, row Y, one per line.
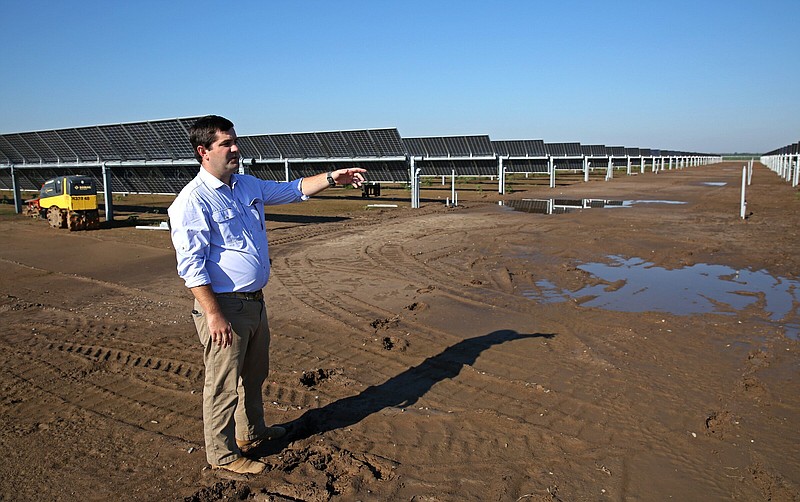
column 634, row 285
column 714, row 183
column 561, row 206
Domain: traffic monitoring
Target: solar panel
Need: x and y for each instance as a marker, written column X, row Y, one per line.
column 573, row 149
column 287, row 146
column 122, row 142
column 147, row 140
column 505, row 148
column 361, row 143
column 187, row 122
column 272, row 171
column 414, row 146
column 57, row 145
column 632, row 152
column 76, row 143
column 555, row 149
column 174, row 134
column 265, row 147
column 44, row 153
column 480, row 145
column 457, row 146
column 433, row 147
column 98, row 143
column 19, row 145
column 593, row 150
column 310, row 145
column 334, row 144
column 246, row 148
column 618, row 151
column 387, row 142
column 644, row 152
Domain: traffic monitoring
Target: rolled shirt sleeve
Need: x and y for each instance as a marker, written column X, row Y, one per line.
column 190, row 233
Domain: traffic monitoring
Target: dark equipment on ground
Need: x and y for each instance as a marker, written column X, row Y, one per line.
column 368, row 189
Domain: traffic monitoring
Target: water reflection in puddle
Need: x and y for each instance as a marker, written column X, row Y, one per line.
column 634, row 285
column 561, row 206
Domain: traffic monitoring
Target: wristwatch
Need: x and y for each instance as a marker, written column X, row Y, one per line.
column 331, row 183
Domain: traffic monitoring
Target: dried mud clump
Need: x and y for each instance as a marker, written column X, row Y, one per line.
column 319, row 472
column 389, row 322
column 315, row 377
column 224, row 490
column 719, row 424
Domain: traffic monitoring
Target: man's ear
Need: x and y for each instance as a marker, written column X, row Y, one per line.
column 201, row 150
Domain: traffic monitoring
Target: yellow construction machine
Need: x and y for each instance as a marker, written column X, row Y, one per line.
column 67, row 202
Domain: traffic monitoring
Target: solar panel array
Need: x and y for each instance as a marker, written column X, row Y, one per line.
column 136, row 142
column 156, row 156
column 520, row 148
column 563, row 149
column 366, row 143
column 594, row 150
column 445, row 147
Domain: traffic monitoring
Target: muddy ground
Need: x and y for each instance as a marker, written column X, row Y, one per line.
column 433, row 354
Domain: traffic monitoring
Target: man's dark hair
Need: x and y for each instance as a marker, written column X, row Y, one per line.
column 204, row 132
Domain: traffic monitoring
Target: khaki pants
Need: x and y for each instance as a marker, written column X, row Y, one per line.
column 234, row 375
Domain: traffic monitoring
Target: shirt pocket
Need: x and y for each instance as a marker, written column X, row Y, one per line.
column 230, row 228
column 256, row 209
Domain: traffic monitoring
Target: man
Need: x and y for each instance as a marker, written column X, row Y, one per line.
column 219, row 234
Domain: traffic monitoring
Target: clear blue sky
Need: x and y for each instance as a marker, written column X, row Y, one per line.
column 711, row 76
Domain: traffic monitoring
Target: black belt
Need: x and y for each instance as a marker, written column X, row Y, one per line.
column 255, row 296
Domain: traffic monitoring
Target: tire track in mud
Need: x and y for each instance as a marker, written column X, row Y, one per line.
column 113, row 396
column 105, row 355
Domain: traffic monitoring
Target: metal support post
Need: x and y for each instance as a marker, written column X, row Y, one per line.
column 744, row 184
column 501, row 176
column 453, row 186
column 552, row 167
column 17, row 194
column 107, row 193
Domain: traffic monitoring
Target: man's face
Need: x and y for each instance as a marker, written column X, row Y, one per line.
column 222, row 158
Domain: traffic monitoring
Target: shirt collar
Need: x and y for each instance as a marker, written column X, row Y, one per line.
column 212, row 181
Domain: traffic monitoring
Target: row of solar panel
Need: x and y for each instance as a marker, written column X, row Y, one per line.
column 171, row 179
column 793, row 149
column 165, row 140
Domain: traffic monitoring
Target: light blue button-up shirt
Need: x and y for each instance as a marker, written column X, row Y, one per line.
column 219, row 234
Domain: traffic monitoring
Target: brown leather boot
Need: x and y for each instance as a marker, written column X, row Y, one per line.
column 243, row 465
column 247, row 445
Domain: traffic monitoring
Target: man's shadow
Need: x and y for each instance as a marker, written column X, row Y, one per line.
column 402, row 390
